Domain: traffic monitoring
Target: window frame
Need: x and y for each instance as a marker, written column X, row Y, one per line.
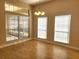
column 68, row 33
column 46, row 27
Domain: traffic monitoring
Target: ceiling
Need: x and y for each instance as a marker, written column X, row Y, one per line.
column 26, row 2
column 34, row 2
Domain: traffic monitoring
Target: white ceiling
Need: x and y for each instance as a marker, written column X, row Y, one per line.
column 33, row 2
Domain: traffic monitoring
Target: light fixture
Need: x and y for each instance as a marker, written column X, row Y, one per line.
column 39, row 12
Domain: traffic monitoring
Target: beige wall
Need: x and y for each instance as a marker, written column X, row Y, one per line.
column 60, row 7
column 2, row 23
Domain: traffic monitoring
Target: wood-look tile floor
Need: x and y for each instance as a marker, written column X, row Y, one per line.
column 37, row 50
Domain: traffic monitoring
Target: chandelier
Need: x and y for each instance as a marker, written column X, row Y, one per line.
column 39, row 12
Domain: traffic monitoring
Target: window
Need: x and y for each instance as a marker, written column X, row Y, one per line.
column 62, row 28
column 42, row 27
column 17, row 27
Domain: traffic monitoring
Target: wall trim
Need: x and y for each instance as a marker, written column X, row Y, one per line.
column 71, row 47
column 14, row 43
column 67, row 46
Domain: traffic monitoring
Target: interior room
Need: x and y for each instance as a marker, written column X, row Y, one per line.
column 39, row 29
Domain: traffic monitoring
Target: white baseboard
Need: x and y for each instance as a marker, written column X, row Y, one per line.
column 14, row 43
column 71, row 47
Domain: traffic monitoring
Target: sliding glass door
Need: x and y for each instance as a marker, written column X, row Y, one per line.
column 62, row 28
column 42, row 27
column 17, row 27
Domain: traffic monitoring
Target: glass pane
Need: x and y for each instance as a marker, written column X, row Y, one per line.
column 42, row 27
column 12, row 27
column 62, row 23
column 61, row 37
column 23, row 26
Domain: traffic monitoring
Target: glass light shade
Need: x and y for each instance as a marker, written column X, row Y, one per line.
column 35, row 13
column 43, row 13
column 39, row 12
